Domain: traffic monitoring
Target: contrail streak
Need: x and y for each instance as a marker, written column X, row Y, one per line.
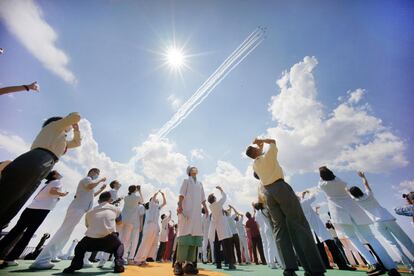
column 231, row 62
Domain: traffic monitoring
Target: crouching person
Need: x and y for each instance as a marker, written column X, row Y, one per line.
column 100, row 235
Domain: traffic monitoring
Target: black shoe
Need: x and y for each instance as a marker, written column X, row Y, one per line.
column 119, row 269
column 307, row 273
column 291, row 273
column 190, row 269
column 349, row 268
column 68, row 270
column 393, row 272
column 232, row 267
column 178, row 269
column 264, row 263
column 218, row 266
column 375, row 270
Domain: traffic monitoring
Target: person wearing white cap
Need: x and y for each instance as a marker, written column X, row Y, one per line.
column 190, row 229
column 81, row 204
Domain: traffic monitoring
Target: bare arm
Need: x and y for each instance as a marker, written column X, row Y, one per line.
column 164, row 201
column 140, row 193
column 180, row 204
column 55, row 191
column 93, row 185
column 13, row 89
column 100, row 190
column 364, row 181
column 205, row 207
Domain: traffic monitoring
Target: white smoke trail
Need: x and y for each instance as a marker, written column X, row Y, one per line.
column 238, row 55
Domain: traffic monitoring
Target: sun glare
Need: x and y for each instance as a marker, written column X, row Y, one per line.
column 175, row 58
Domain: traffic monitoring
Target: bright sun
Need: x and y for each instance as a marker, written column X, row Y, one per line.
column 175, row 58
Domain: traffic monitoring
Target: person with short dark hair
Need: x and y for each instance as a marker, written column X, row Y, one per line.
column 238, row 217
column 81, row 204
column 290, row 227
column 384, row 222
column 20, row 178
column 100, row 235
column 223, row 234
column 349, row 218
column 407, row 210
column 163, row 236
column 256, row 239
column 31, row 218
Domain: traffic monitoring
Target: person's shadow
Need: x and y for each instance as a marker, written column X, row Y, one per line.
column 102, row 271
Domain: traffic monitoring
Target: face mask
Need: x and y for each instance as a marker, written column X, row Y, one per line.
column 94, row 177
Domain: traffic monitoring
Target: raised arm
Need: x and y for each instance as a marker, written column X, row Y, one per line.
column 164, row 201
column 70, row 120
column 223, row 196
column 12, row 89
column 93, row 185
column 364, row 181
column 140, row 194
column 100, row 190
column 55, row 191
column 76, row 141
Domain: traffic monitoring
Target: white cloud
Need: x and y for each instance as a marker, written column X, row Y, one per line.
column 24, row 19
column 197, row 154
column 174, row 102
column 13, row 144
column 158, row 160
column 404, row 187
column 349, row 138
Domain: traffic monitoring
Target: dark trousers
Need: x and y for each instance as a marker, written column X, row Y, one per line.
column 236, row 242
column 228, row 250
column 161, row 250
column 291, row 229
column 25, row 228
column 20, row 179
column 257, row 245
column 108, row 244
column 337, row 256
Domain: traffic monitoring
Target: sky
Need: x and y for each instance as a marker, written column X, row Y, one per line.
column 331, row 82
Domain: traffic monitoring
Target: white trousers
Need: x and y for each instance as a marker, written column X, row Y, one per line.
column 71, row 251
column 367, row 234
column 273, row 252
column 392, row 234
column 243, row 246
column 149, row 235
column 265, row 243
column 204, row 248
column 129, row 237
column 61, row 237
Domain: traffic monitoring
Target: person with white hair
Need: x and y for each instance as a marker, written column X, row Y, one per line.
column 190, row 229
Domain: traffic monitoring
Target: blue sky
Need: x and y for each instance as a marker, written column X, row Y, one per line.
column 122, row 91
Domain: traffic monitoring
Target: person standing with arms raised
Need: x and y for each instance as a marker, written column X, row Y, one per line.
column 290, row 226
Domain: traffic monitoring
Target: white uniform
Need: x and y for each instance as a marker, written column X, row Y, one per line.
column 131, row 224
column 78, row 207
column 205, row 221
column 219, row 221
column 189, row 222
column 348, row 218
column 164, row 229
column 243, row 239
column 387, row 227
column 314, row 220
column 268, row 241
column 150, row 232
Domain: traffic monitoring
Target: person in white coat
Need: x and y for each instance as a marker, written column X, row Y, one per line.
column 205, row 220
column 165, row 220
column 384, row 222
column 348, row 218
column 190, row 230
column 151, row 228
column 131, row 221
column 322, row 233
column 81, row 204
column 266, row 232
column 233, row 228
column 242, row 234
column 223, row 234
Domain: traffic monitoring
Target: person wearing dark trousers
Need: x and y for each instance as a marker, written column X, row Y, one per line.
column 222, row 230
column 233, row 227
column 31, row 218
column 290, row 227
column 100, row 235
column 20, row 178
column 257, row 244
column 163, row 236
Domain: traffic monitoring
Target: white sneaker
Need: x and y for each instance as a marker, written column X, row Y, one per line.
column 101, row 263
column 11, row 263
column 273, row 266
column 41, row 266
column 55, row 260
column 87, row 265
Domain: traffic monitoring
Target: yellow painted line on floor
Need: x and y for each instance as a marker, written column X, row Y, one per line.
column 162, row 269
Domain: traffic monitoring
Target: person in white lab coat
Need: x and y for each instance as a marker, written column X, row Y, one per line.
column 206, row 225
column 163, row 236
column 348, row 218
column 190, row 230
column 238, row 217
column 266, row 232
column 151, row 228
column 384, row 222
column 233, row 228
column 79, row 206
column 322, row 233
column 223, row 234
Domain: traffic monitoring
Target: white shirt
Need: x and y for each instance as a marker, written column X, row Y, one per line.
column 114, row 194
column 240, row 228
column 153, row 212
column 232, row 224
column 314, row 220
column 100, row 221
column 205, row 221
column 130, row 212
column 164, row 229
column 218, row 221
column 44, row 200
column 83, row 197
column 343, row 209
column 189, row 222
column 373, row 209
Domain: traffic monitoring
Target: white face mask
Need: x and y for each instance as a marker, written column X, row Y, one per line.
column 94, row 177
